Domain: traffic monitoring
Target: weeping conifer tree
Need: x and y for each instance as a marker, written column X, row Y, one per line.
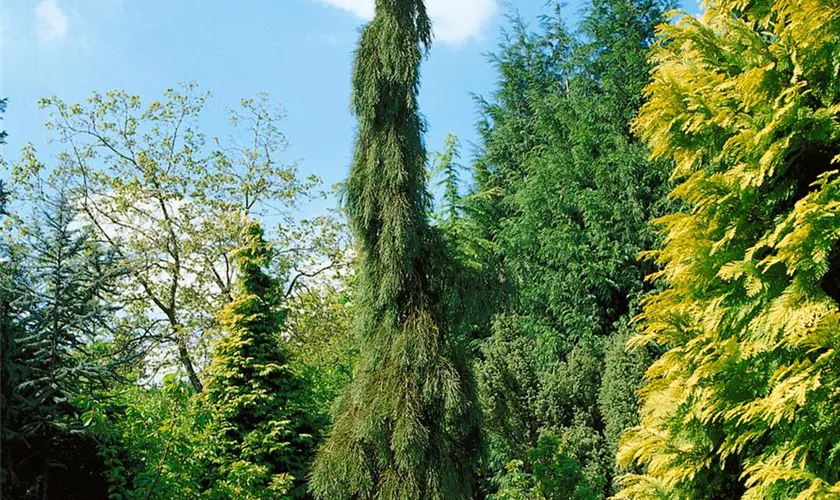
column 407, row 426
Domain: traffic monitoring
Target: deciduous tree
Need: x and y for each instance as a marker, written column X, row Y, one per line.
column 150, row 186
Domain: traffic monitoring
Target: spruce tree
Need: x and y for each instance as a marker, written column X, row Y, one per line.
column 56, row 292
column 14, row 306
column 8, row 332
column 407, row 426
column 262, row 438
column 745, row 402
column 9, row 274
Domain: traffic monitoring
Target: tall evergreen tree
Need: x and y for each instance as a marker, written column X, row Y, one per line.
column 9, row 274
column 572, row 191
column 13, row 307
column 407, row 426
column 745, row 402
column 55, row 303
column 447, row 167
column 262, row 434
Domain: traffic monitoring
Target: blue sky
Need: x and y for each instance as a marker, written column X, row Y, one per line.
column 298, row 51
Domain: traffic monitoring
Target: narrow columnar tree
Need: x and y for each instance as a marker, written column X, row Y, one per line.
column 407, row 426
column 447, row 167
column 745, row 402
column 262, row 438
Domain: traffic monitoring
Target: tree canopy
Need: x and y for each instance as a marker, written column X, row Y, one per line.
column 572, row 191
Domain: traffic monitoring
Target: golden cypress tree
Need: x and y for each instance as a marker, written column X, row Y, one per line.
column 406, row 427
column 262, row 434
column 745, row 402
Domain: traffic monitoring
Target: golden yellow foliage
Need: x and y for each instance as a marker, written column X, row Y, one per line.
column 745, row 402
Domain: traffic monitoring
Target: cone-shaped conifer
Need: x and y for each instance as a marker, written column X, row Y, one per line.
column 261, row 434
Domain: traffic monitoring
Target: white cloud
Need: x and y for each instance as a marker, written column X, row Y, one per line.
column 50, row 21
column 454, row 21
column 359, row 8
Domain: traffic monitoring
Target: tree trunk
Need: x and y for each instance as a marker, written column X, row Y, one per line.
column 183, row 352
column 186, row 361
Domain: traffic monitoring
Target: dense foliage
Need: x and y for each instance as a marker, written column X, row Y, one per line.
column 134, row 195
column 549, row 324
column 262, row 437
column 744, row 402
column 56, row 285
column 572, row 191
column 406, row 427
column 9, row 273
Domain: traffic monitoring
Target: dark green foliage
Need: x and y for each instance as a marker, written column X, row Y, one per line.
column 406, row 428
column 76, row 471
column 511, row 386
column 474, row 287
column 262, row 437
column 55, row 305
column 571, row 191
column 13, row 305
column 531, row 67
column 6, row 342
column 621, row 378
column 322, row 342
column 71, row 280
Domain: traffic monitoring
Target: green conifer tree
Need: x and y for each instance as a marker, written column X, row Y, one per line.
column 14, row 306
column 745, row 402
column 262, row 437
column 56, row 291
column 10, row 272
column 407, row 426
column 572, row 191
column 447, row 167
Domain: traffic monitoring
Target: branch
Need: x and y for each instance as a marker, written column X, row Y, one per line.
column 303, row 274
